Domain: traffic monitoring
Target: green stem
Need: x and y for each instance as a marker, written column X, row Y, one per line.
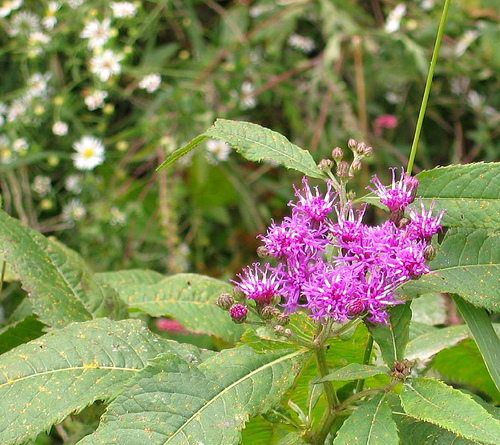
column 366, row 358
column 428, row 85
column 2, row 277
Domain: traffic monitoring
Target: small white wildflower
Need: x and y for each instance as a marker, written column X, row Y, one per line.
column 89, row 153
column 74, row 211
column 393, row 97
column 60, row 128
column 217, row 151
column 123, row 10
column 106, row 64
column 18, row 110
column 474, row 99
column 393, row 22
column 465, row 41
column 427, row 5
column 73, row 184
column 24, row 23
column 5, row 153
column 247, row 98
column 38, row 85
column 73, row 4
column 49, row 21
column 41, row 185
column 7, row 6
column 304, row 44
column 37, row 41
column 97, row 32
column 96, row 100
column 117, row 217
column 150, row 83
column 20, row 145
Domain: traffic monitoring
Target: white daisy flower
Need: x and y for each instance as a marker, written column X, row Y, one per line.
column 50, row 20
column 73, row 184
column 465, row 41
column 150, row 83
column 97, row 32
column 89, row 153
column 18, row 110
column 74, row 211
column 304, row 44
column 24, row 23
column 73, row 4
column 41, row 185
column 123, row 10
column 20, row 145
column 60, row 128
column 7, row 6
column 247, row 99
column 217, row 151
column 106, row 64
column 38, row 85
column 393, row 22
column 96, row 100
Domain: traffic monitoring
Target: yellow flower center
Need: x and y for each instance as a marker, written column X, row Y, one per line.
column 88, row 153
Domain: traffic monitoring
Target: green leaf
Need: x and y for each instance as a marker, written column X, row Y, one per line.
column 41, row 382
column 190, row 299
column 433, row 401
column 469, row 193
column 171, row 402
column 463, row 366
column 484, row 335
column 370, row 424
column 181, row 151
column 60, row 285
column 123, row 279
column 354, row 371
column 468, row 264
column 257, row 143
column 429, row 309
column 20, row 332
column 393, row 339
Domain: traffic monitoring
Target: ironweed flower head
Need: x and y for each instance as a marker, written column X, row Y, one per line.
column 342, row 269
column 399, row 194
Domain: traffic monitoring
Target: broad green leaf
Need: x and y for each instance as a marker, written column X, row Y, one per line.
column 484, row 335
column 257, row 143
column 468, row 264
column 293, row 439
column 181, row 151
column 463, row 366
column 20, row 332
column 370, row 424
column 123, row 279
column 433, row 401
column 429, row 308
column 354, row 371
column 393, row 339
column 469, row 193
column 259, row 430
column 171, row 402
column 190, row 299
column 60, row 285
column 41, row 382
column 430, row 343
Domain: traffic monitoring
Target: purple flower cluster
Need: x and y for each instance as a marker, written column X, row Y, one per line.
column 342, row 269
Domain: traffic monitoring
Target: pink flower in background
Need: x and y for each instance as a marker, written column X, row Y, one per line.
column 384, row 121
column 170, row 326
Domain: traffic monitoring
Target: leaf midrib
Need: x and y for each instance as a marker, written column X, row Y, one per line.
column 231, row 386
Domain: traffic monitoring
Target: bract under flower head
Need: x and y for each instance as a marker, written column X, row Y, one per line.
column 399, row 194
column 316, row 206
column 259, row 285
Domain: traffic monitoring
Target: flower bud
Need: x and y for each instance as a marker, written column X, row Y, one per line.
column 396, row 216
column 287, row 333
column 356, row 165
column 279, row 330
column 356, row 306
column 429, row 252
column 238, row 295
column 368, row 151
column 267, row 312
column 343, row 170
column 283, row 319
column 238, row 313
column 337, row 154
column 360, row 148
column 352, row 144
column 403, row 222
column 325, row 164
column 262, row 251
column 225, row 301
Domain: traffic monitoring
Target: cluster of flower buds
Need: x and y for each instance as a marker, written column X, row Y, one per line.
column 339, row 268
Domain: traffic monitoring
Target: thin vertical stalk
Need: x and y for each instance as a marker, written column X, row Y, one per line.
column 366, row 358
column 428, row 85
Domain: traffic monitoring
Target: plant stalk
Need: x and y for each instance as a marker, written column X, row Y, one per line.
column 366, row 358
column 428, row 85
